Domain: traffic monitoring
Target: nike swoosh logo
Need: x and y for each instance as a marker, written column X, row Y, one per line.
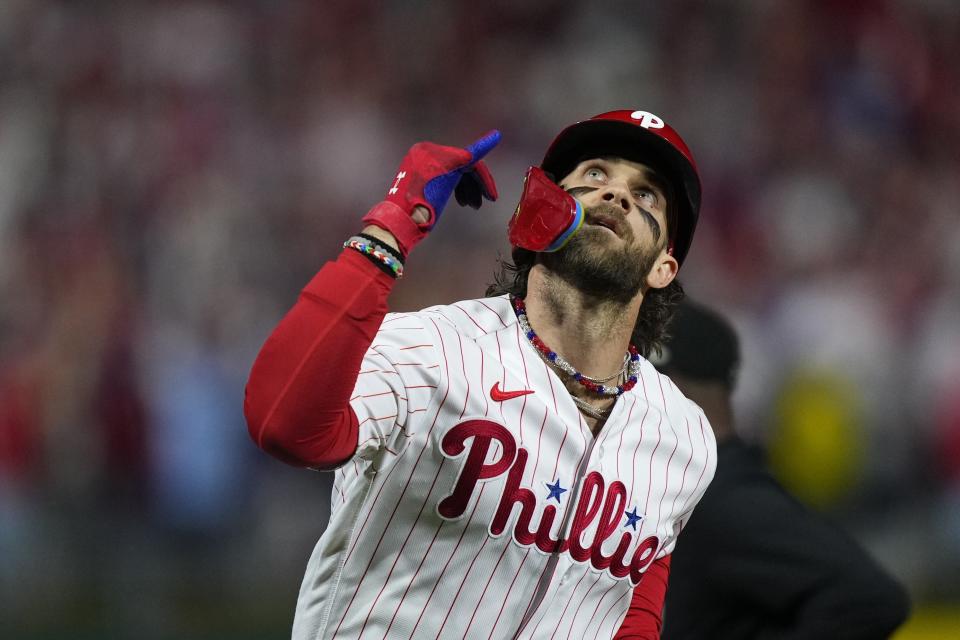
column 500, row 396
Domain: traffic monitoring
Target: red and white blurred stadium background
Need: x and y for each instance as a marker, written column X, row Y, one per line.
column 172, row 173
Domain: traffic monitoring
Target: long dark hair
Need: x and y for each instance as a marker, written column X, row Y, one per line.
column 656, row 311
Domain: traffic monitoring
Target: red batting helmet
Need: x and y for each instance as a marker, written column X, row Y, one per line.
column 639, row 136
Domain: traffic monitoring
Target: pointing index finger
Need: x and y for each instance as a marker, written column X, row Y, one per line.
column 483, row 146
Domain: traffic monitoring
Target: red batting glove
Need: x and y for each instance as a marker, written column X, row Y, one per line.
column 428, row 175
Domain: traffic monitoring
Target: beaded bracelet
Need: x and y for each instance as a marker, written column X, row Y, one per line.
column 382, row 245
column 377, row 254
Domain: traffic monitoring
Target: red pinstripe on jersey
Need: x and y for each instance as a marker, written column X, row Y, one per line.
column 688, row 504
column 466, row 378
column 368, row 419
column 469, row 317
column 374, row 395
column 576, row 614
column 556, row 462
column 683, row 506
column 613, row 607
column 633, row 403
column 503, row 369
column 539, row 447
column 507, row 596
column 387, row 371
column 553, row 397
column 646, row 502
column 683, row 480
column 484, row 592
column 566, row 606
column 486, row 405
column 636, row 450
column 413, row 578
column 526, row 374
column 593, row 616
column 530, row 600
column 676, row 444
column 445, row 566
column 493, row 311
column 464, row 582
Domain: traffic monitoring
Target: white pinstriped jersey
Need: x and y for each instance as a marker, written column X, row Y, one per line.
column 470, row 513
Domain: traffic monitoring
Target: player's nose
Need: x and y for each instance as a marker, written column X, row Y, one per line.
column 616, row 194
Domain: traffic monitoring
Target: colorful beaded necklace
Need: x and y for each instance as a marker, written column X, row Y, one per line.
column 633, row 371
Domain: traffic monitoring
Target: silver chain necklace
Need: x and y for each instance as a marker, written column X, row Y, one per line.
column 618, row 374
column 589, row 409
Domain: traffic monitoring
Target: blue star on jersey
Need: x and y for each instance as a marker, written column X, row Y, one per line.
column 632, row 519
column 555, row 489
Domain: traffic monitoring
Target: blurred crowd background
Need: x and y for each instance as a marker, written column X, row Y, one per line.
column 172, row 173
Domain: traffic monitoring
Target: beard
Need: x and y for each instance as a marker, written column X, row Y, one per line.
column 588, row 262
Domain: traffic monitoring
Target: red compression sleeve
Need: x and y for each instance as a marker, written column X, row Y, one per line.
column 297, row 397
column 645, row 616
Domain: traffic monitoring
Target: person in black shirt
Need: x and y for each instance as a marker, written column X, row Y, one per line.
column 753, row 562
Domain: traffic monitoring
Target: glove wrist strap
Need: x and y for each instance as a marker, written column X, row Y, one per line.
column 389, row 216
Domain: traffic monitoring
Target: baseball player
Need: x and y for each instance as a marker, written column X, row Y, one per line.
column 511, row 466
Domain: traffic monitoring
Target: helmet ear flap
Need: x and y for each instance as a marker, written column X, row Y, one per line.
column 546, row 216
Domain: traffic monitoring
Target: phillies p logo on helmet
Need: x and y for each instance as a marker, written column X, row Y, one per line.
column 647, row 120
